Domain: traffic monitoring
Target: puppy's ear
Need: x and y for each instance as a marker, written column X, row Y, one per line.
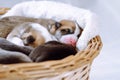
column 58, row 25
column 53, row 27
column 78, row 30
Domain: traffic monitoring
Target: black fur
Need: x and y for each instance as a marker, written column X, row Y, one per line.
column 10, row 57
column 6, row 45
column 52, row 50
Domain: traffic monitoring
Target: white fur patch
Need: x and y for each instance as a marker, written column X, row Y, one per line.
column 77, row 30
column 16, row 41
column 43, row 31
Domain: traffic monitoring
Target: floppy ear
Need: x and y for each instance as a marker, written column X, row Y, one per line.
column 57, row 25
column 78, row 29
column 53, row 27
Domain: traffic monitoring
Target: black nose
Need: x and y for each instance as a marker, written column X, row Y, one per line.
column 30, row 39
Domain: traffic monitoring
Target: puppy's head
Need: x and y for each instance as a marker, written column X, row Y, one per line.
column 66, row 27
column 32, row 37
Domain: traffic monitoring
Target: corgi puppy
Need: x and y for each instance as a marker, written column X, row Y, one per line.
column 30, row 34
column 66, row 31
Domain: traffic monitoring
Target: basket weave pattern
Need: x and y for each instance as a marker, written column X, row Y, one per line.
column 71, row 68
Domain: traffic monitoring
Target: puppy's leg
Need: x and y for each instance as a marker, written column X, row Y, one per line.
column 6, row 45
column 9, row 57
column 16, row 41
column 13, row 37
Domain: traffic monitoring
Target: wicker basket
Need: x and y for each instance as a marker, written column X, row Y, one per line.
column 71, row 68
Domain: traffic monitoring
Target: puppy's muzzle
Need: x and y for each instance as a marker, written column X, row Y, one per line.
column 30, row 39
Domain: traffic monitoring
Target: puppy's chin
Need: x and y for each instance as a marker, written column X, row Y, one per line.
column 69, row 39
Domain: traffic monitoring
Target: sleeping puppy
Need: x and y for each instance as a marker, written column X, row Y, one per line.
column 10, row 57
column 52, row 50
column 30, row 34
column 66, row 31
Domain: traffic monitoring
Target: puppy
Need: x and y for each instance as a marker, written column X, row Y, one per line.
column 30, row 34
column 66, row 31
column 54, row 10
column 10, row 57
column 52, row 50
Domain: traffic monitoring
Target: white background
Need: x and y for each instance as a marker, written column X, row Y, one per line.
column 107, row 65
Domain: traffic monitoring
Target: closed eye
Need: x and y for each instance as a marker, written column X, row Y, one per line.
column 67, row 31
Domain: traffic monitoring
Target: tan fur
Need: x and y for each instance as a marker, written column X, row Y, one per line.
column 39, row 39
column 27, row 31
column 42, row 21
column 65, row 24
column 6, row 27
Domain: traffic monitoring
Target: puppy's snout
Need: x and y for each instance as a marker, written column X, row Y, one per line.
column 30, row 39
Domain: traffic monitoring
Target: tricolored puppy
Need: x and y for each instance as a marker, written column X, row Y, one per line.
column 30, row 34
column 66, row 31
